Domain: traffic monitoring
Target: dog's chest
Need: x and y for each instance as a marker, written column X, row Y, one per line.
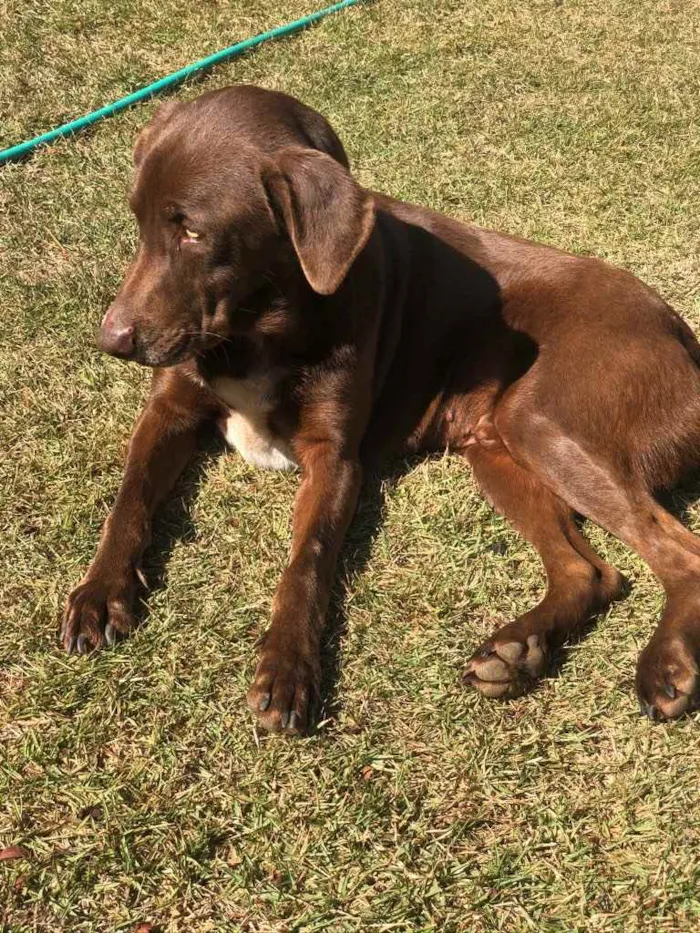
column 246, row 427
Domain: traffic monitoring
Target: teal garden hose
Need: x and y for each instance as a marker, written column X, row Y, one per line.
column 23, row 149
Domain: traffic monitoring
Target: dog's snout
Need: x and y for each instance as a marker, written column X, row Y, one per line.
column 117, row 336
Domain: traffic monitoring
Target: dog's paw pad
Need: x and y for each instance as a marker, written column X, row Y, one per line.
column 506, row 668
column 668, row 680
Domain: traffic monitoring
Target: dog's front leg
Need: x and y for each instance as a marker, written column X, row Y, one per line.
column 287, row 678
column 102, row 606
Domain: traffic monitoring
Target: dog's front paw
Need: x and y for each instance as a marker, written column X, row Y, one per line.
column 99, row 610
column 285, row 688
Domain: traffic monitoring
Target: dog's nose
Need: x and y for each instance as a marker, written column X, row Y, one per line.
column 119, row 341
column 117, row 338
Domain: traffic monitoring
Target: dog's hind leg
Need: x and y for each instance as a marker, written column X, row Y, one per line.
column 579, row 584
column 619, row 499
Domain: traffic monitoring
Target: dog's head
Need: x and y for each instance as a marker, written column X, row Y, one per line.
column 229, row 189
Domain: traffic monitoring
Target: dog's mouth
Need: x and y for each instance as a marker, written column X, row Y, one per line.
column 156, row 356
column 164, row 351
column 171, row 349
column 150, row 346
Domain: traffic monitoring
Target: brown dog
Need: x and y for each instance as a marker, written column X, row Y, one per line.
column 324, row 325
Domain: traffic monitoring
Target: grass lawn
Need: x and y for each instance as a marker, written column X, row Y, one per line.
column 135, row 781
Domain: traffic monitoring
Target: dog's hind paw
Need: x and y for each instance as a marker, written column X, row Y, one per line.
column 668, row 679
column 502, row 669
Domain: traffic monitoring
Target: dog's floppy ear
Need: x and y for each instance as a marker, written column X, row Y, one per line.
column 148, row 134
column 326, row 214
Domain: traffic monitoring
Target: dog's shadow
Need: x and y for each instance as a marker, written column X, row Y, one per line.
column 174, row 523
column 357, row 550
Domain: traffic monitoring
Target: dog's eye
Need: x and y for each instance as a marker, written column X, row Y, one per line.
column 192, row 234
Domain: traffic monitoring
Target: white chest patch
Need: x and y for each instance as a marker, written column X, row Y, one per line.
column 246, row 427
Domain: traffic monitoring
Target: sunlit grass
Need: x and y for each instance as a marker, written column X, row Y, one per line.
column 135, row 781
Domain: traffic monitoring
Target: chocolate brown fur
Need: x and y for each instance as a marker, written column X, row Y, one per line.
column 327, row 325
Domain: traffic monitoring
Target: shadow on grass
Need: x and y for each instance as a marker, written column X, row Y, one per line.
column 173, row 521
column 357, row 550
column 174, row 524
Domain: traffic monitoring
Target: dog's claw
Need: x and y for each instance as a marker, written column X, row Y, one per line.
column 264, row 702
column 648, row 710
column 284, row 720
column 670, row 691
column 70, row 647
column 292, row 724
column 82, row 645
column 110, row 634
